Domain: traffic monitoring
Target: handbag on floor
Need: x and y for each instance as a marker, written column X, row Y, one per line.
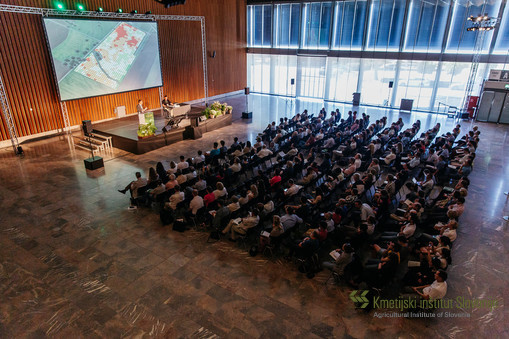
column 166, row 216
column 179, row 225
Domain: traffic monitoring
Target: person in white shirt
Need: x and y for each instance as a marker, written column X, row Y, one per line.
column 293, row 189
column 365, row 210
column 358, row 161
column 196, row 203
column 292, row 152
column 220, row 191
column 234, row 205
column 244, row 225
column 391, row 157
column 191, row 174
column 427, row 184
column 183, row 164
column 437, row 290
column 415, row 161
column 199, row 159
column 201, row 184
column 264, row 152
column 236, row 167
column 258, row 143
column 181, row 178
column 134, row 185
column 320, row 135
column 173, row 168
column 329, row 143
column 176, row 198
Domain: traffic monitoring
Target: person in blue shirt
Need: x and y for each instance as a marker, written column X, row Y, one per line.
column 215, row 151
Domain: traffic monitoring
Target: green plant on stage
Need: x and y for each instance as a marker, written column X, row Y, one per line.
column 206, row 112
column 216, row 109
column 146, row 130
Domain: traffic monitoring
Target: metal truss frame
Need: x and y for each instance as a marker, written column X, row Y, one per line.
column 94, row 14
column 65, row 117
column 6, row 110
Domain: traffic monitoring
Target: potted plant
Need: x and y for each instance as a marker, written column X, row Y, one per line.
column 146, row 130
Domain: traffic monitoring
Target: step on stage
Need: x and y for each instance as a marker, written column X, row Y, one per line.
column 124, row 131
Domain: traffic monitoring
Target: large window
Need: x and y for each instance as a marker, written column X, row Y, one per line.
column 335, row 79
column 259, row 75
column 259, row 23
column 344, row 46
column 463, row 41
column 420, row 26
column 348, row 28
column 385, row 24
column 502, row 44
column 426, row 25
column 311, row 76
column 342, row 78
column 316, row 25
column 286, row 25
column 375, row 77
column 416, row 80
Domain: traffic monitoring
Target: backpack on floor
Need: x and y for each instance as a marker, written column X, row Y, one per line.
column 166, row 216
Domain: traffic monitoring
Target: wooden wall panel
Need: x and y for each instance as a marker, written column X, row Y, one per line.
column 26, row 65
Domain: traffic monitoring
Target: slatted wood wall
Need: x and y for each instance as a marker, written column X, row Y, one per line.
column 26, row 69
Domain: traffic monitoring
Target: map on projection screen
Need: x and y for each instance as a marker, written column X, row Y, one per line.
column 99, row 57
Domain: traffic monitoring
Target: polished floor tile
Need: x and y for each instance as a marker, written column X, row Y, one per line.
column 75, row 262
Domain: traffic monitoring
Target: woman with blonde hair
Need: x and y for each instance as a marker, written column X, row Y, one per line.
column 220, row 190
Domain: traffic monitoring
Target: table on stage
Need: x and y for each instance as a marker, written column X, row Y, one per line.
column 178, row 110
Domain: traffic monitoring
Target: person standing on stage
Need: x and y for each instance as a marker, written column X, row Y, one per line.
column 166, row 106
column 140, row 109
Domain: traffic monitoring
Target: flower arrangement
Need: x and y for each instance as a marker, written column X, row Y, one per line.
column 216, row 109
column 146, row 130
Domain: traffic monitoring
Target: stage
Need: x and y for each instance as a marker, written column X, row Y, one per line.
column 124, row 130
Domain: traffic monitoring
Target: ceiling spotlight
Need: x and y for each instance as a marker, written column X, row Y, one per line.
column 148, row 12
column 134, row 12
column 120, row 10
column 60, row 6
column 471, row 18
column 80, row 7
column 99, row 10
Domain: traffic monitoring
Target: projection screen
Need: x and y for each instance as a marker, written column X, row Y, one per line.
column 99, row 57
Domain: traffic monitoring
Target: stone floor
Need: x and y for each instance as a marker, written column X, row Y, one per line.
column 75, row 262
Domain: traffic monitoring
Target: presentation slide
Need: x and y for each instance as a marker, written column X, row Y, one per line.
column 98, row 57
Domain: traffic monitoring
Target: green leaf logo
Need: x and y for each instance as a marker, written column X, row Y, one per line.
column 361, row 298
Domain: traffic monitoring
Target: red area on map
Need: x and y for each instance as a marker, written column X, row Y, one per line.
column 121, row 33
column 133, row 42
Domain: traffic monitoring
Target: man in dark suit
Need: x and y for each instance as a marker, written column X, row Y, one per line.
column 140, row 108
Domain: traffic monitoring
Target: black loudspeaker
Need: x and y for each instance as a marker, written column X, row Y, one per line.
column 391, row 83
column 94, row 163
column 292, row 81
column 247, row 115
column 87, row 127
column 356, row 99
column 213, row 54
column 246, row 91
